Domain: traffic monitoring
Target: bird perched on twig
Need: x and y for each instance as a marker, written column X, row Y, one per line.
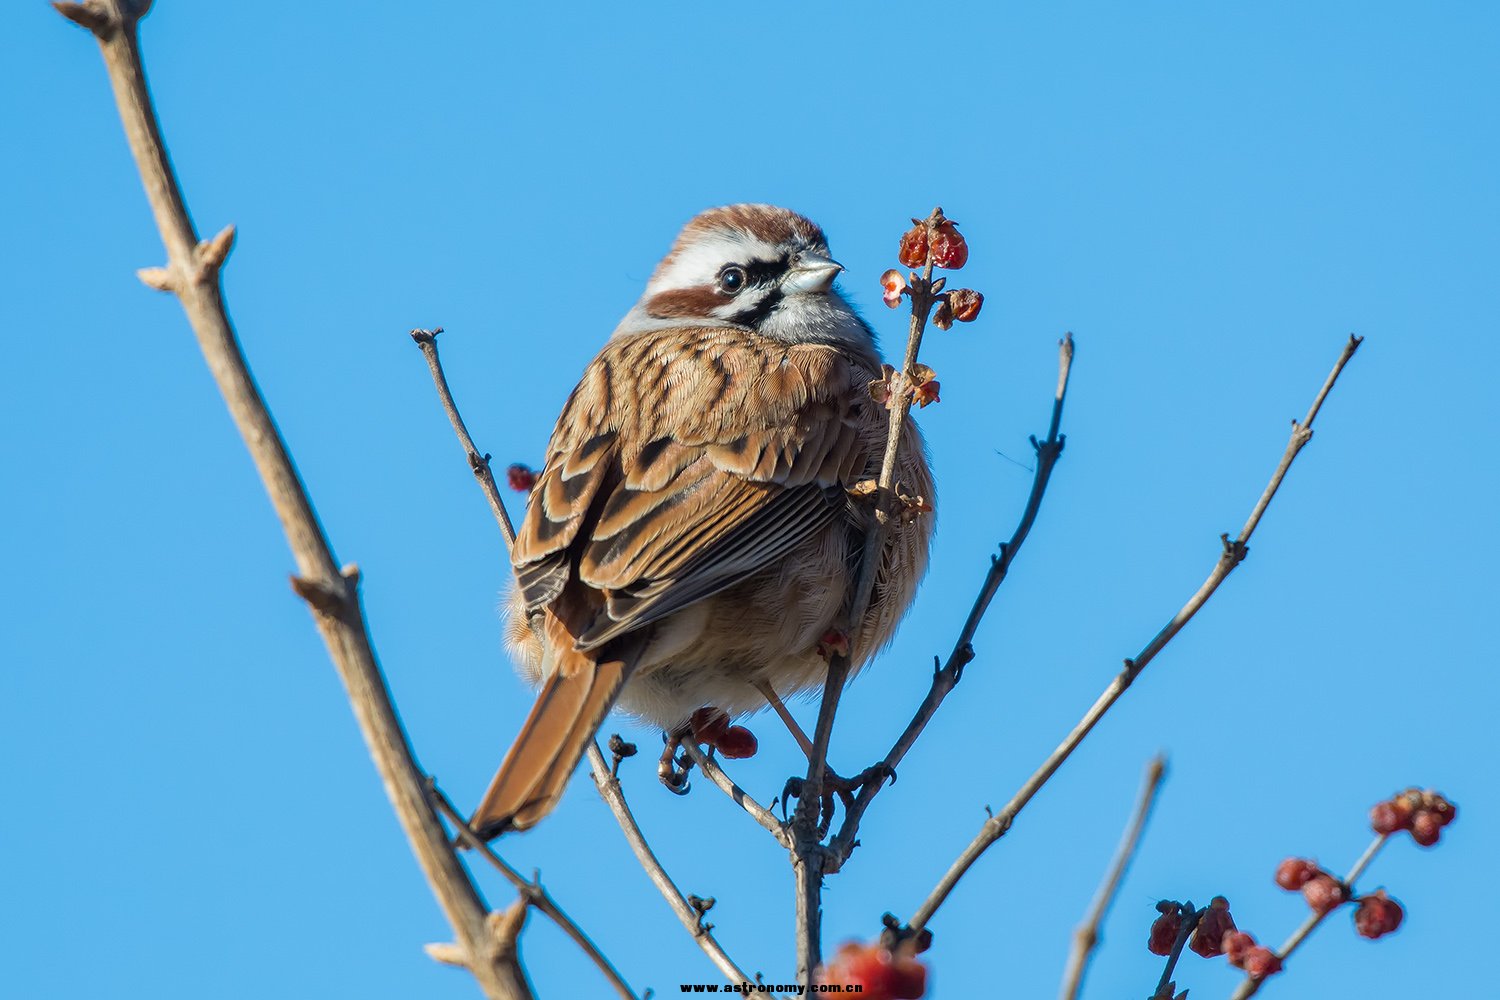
column 692, row 539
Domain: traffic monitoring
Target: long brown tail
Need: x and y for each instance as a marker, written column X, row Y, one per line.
column 572, row 703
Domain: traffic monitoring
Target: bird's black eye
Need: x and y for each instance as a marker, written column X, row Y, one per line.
column 732, row 279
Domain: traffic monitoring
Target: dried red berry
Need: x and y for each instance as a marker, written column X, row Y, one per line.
column 1426, row 827
column 1323, row 892
column 737, row 743
column 949, row 249
column 876, row 973
column 1260, row 962
column 520, row 478
column 913, row 252
column 965, row 303
column 1212, row 926
column 1235, row 945
column 894, row 285
column 1445, row 811
column 1377, row 915
column 1293, row 873
column 942, row 316
column 1389, row 816
column 1165, row 928
column 926, row 392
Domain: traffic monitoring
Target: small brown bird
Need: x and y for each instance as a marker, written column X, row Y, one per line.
column 691, row 539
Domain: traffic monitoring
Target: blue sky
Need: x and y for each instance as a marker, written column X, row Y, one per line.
column 1211, row 199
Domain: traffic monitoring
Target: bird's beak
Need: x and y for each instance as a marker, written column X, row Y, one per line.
column 812, row 272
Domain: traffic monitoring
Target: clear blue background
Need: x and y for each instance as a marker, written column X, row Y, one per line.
column 1210, row 198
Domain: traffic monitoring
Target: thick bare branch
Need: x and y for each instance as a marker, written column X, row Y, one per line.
column 532, row 892
column 1086, row 938
column 1233, row 554
column 192, row 274
column 946, row 678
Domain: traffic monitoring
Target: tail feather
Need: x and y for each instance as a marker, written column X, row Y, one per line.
column 573, row 702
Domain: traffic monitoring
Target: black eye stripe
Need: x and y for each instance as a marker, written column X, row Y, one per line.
column 762, row 272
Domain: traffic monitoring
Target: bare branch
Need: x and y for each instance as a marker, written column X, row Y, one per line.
column 532, row 892
column 692, row 918
column 947, row 677
column 713, row 772
column 480, row 463
column 192, row 274
column 1250, row 986
column 810, row 858
column 1086, row 938
column 1233, row 554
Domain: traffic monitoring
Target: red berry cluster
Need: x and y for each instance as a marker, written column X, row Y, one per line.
column 934, row 240
column 1213, row 933
column 1421, row 813
column 1324, row 892
column 1257, row 960
column 879, row 973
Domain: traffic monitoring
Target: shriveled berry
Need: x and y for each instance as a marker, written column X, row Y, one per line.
column 965, row 303
column 1445, row 811
column 737, row 743
column 1165, row 928
column 942, row 316
column 1260, row 962
column 1235, row 945
column 1377, row 915
column 1212, row 926
column 1426, row 827
column 1293, row 873
column 913, row 252
column 948, row 247
column 1388, row 817
column 520, row 478
column 1323, row 892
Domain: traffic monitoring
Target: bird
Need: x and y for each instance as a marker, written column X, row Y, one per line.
column 696, row 531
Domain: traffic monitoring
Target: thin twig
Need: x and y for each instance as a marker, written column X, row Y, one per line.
column 614, row 797
column 1233, row 553
column 1250, row 986
column 713, row 772
column 945, row 679
column 533, row 892
column 1086, row 938
column 192, row 274
column 810, row 859
column 479, row 462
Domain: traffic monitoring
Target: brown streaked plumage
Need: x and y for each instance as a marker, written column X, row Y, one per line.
column 691, row 534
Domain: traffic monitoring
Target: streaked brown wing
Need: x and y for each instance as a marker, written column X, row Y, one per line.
column 684, row 462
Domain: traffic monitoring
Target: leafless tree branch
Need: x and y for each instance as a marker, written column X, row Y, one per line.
column 1233, row 554
column 192, row 274
column 1086, row 938
column 1251, row 985
column 692, row 919
column 480, row 463
column 532, row 893
column 945, row 679
column 713, row 772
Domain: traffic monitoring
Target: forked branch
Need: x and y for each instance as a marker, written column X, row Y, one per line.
column 1234, row 551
